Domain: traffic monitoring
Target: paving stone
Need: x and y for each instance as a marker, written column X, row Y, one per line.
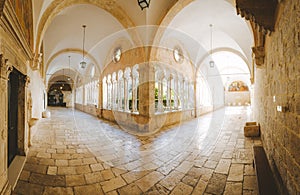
column 184, row 167
column 172, row 180
column 58, row 190
column 97, row 167
column 43, row 155
column 52, row 170
column 236, row 172
column 249, row 170
column 233, row 188
column 24, row 175
column 83, row 169
column 66, row 170
column 75, row 180
column 35, row 168
column 60, row 163
column 93, row 177
column 131, row 189
column 113, row 184
column 118, row 171
column 250, row 183
column 211, row 164
column 146, row 182
column 25, row 188
column 182, row 189
column 191, row 181
column 75, row 162
column 48, row 162
column 88, row 189
column 47, row 180
column 223, row 166
column 134, row 175
column 107, row 174
column 61, row 156
column 216, row 184
column 200, row 187
column 88, row 161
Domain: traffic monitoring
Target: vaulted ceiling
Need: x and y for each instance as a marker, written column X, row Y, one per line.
column 58, row 25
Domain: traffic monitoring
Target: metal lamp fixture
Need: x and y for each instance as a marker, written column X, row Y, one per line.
column 144, row 3
column 69, row 68
column 211, row 62
column 83, row 63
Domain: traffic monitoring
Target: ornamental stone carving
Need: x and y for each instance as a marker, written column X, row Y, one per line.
column 259, row 53
column 37, row 61
column 5, row 67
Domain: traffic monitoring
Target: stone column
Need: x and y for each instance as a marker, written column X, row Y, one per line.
column 134, row 93
column 108, row 94
column 100, row 99
column 126, row 99
column 146, row 90
column 169, row 80
column 182, row 84
column 160, row 94
column 175, row 93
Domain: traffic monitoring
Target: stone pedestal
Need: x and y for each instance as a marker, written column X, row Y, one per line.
column 251, row 129
column 46, row 114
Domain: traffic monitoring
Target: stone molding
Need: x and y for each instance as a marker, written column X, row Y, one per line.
column 12, row 27
column 259, row 53
column 262, row 17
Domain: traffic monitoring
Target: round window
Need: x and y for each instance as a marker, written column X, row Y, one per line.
column 177, row 53
column 117, row 54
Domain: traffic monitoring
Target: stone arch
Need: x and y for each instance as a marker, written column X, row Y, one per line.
column 73, row 50
column 57, row 6
column 238, row 53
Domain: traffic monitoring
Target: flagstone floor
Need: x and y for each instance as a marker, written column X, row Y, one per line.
column 75, row 153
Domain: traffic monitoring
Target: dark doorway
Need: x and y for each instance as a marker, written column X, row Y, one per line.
column 13, row 88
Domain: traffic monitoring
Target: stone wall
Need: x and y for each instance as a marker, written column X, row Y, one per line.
column 278, row 84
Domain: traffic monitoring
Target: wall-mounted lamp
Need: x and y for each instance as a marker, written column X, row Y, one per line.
column 144, row 3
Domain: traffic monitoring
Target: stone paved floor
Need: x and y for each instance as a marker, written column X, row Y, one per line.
column 75, row 153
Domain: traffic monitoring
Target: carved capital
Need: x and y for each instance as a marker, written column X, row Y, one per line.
column 37, row 61
column 259, row 53
column 5, row 67
column 27, row 80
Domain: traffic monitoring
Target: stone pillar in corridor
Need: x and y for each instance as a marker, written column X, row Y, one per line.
column 100, row 99
column 146, row 90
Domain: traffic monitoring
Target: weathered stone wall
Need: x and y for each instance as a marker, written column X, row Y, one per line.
column 278, row 84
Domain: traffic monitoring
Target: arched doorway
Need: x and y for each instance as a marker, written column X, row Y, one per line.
column 56, row 94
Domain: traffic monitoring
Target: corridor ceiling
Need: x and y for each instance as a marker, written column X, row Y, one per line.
column 58, row 26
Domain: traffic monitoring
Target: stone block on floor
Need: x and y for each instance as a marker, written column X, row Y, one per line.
column 252, row 129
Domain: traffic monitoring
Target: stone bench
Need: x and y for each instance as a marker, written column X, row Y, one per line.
column 265, row 180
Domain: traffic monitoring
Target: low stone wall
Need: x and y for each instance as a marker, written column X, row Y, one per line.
column 89, row 108
column 143, row 125
column 240, row 98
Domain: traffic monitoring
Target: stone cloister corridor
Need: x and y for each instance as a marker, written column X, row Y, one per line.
column 75, row 153
column 149, row 97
